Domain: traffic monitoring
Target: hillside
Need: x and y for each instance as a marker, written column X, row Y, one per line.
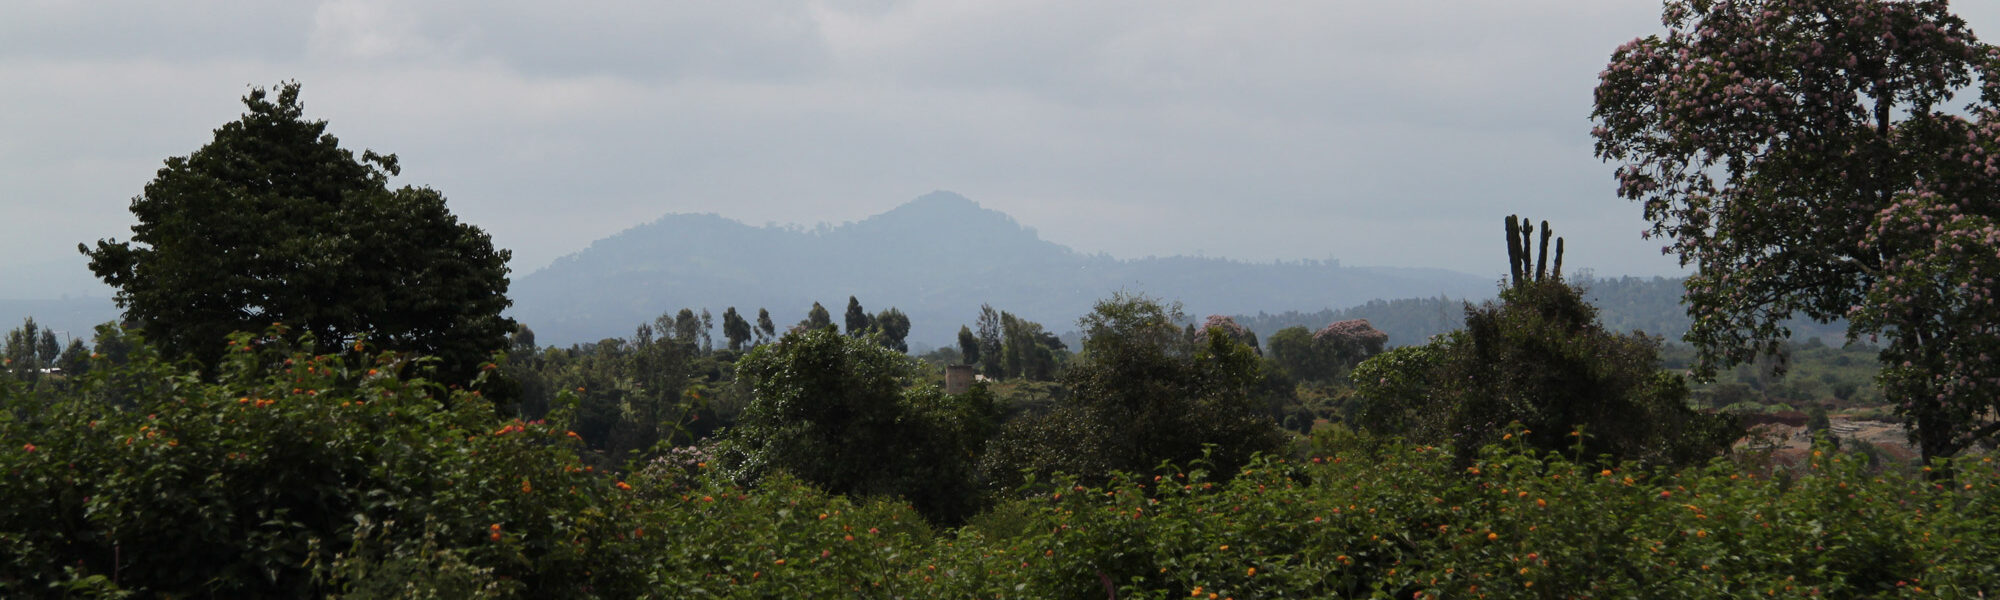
column 936, row 258
column 1651, row 305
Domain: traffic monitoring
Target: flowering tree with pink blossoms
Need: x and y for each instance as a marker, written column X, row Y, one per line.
column 1350, row 341
column 1800, row 154
column 1228, row 327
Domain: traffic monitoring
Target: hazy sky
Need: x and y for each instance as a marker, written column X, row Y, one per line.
column 1374, row 132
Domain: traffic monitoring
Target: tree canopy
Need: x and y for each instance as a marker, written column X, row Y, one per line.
column 30, row 351
column 843, row 413
column 1142, row 392
column 273, row 221
column 735, row 329
column 1801, row 155
column 1540, row 358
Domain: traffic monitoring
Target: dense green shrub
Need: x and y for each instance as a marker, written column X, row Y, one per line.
column 842, row 413
column 284, row 473
column 343, row 476
column 1141, row 392
column 1539, row 357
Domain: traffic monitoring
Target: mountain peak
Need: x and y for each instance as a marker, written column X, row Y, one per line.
column 947, row 214
column 943, row 198
column 937, row 257
column 941, row 205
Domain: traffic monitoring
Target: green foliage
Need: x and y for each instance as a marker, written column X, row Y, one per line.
column 894, row 327
column 286, row 476
column 272, row 221
column 766, row 330
column 75, row 359
column 1141, row 393
column 30, row 352
column 1398, row 389
column 1027, row 351
column 818, row 318
column 1799, row 158
column 1540, row 358
column 840, row 412
column 1324, row 357
column 856, row 318
column 318, row 478
column 968, row 345
column 685, row 328
column 1294, row 351
column 989, row 341
column 735, row 329
column 630, row 395
column 1405, row 320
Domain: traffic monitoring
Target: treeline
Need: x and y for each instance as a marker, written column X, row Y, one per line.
column 532, row 476
column 302, row 475
column 1406, row 320
column 1652, row 305
column 670, row 382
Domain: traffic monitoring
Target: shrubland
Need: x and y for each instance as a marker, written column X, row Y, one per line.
column 350, row 475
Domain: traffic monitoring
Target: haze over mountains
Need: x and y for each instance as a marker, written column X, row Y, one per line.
column 936, row 258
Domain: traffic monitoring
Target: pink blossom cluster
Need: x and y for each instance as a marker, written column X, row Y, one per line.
column 1798, row 153
column 1228, row 327
column 1352, row 333
column 1736, row 88
column 1936, row 293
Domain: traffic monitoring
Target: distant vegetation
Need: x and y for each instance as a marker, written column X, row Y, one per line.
column 288, row 412
column 1624, row 304
column 343, row 476
column 937, row 258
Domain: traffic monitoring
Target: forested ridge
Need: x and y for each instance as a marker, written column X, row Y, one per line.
column 314, row 389
column 937, row 257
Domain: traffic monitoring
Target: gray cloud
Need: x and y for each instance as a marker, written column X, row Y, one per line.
column 1387, row 133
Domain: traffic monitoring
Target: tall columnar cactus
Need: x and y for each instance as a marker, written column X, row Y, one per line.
column 1523, row 262
column 1513, row 248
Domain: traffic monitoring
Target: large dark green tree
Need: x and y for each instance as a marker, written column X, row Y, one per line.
column 856, row 318
column 1029, row 351
column 1142, row 392
column 847, row 414
column 1539, row 357
column 818, row 318
column 989, row 340
column 894, row 327
column 686, row 326
column 968, row 345
column 1800, row 155
column 273, row 221
column 735, row 329
column 766, row 330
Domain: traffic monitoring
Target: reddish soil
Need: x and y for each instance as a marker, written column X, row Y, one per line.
column 1791, row 443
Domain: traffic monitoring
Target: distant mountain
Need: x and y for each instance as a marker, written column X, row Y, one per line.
column 937, row 258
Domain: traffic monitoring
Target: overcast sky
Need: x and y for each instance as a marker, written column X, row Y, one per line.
column 1375, row 132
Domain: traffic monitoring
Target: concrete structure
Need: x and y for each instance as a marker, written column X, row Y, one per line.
column 957, row 379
